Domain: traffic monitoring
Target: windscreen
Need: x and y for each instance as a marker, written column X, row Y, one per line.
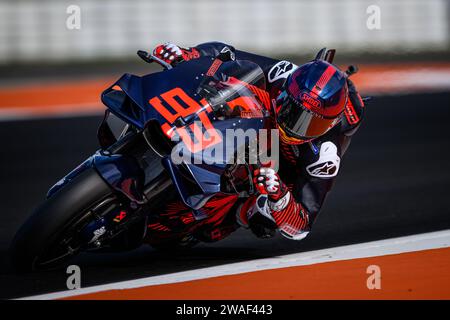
column 237, row 89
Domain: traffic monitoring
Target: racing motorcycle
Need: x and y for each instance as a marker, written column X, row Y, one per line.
column 131, row 191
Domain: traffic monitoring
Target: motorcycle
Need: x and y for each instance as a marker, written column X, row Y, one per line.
column 131, row 191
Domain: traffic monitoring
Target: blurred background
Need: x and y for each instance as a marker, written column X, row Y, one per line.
column 50, row 32
column 35, row 31
column 57, row 56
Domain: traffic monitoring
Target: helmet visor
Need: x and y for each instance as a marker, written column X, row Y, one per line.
column 299, row 122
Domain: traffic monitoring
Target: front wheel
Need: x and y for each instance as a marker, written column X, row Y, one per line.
column 49, row 236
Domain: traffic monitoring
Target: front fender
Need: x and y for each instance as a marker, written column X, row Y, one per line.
column 121, row 172
column 70, row 176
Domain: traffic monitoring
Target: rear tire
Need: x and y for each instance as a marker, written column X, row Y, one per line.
column 50, row 220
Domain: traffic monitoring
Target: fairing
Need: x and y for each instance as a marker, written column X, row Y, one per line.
column 194, row 109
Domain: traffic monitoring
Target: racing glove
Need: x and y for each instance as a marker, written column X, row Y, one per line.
column 289, row 216
column 268, row 182
column 254, row 214
column 173, row 54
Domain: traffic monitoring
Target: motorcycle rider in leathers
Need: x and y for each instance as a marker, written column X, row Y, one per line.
column 316, row 109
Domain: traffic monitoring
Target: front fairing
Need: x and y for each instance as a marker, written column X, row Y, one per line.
column 195, row 110
column 140, row 90
column 129, row 98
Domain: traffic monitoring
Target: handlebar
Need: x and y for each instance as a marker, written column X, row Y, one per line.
column 149, row 58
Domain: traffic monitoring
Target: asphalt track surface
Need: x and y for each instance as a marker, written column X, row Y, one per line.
column 394, row 181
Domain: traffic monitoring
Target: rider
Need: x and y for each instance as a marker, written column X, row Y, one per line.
column 317, row 110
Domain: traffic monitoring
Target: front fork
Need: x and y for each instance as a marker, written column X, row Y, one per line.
column 121, row 214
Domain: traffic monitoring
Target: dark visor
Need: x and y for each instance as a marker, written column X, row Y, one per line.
column 299, row 122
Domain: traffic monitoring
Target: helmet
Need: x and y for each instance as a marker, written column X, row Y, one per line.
column 313, row 98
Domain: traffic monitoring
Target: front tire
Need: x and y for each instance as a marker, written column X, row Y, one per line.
column 52, row 219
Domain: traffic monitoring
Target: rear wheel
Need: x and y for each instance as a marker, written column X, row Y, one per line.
column 50, row 236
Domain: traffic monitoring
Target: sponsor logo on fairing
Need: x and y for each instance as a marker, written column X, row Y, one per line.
column 120, row 216
column 214, row 67
column 281, row 70
column 98, row 233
